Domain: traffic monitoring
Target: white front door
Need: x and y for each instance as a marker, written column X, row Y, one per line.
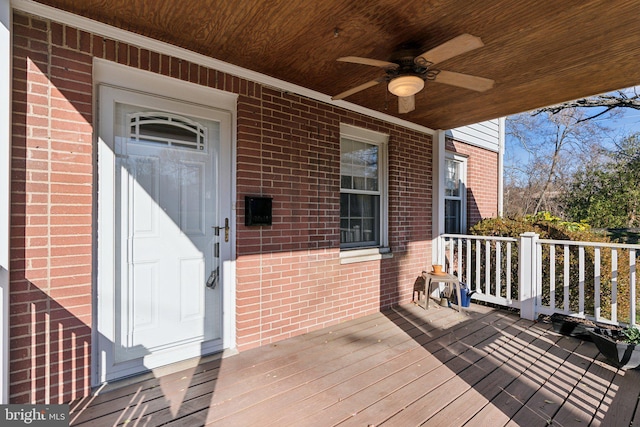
column 164, row 196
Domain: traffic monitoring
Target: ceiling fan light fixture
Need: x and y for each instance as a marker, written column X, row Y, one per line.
column 406, row 85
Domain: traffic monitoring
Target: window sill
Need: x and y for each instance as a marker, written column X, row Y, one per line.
column 350, row 256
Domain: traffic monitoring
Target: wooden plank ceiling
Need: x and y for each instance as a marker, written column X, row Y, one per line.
column 538, row 52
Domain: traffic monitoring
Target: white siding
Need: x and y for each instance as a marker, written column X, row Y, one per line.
column 484, row 134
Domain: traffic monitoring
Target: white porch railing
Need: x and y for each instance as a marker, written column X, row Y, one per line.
column 473, row 260
column 585, row 279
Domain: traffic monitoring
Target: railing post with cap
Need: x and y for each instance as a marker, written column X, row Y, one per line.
column 527, row 275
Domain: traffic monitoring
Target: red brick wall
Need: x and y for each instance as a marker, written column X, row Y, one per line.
column 289, row 276
column 51, row 214
column 290, row 280
column 482, row 180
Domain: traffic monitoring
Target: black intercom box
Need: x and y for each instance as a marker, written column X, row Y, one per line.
column 258, row 210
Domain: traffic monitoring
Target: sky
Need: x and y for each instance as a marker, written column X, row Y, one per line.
column 627, row 122
column 630, row 123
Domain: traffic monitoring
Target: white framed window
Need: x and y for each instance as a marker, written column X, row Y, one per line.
column 455, row 194
column 363, row 188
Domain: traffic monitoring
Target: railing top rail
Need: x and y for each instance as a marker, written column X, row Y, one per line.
column 474, row 237
column 593, row 244
column 546, row 241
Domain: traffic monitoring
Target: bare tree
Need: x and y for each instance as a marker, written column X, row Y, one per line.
column 555, row 144
column 556, row 139
column 606, row 103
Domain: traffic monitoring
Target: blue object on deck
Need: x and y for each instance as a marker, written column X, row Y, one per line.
column 465, row 295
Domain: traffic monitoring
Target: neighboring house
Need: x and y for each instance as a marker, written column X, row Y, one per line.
column 135, row 169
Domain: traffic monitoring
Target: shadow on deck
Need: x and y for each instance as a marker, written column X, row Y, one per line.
column 401, row 367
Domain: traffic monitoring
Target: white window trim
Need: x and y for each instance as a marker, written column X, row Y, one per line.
column 463, row 188
column 350, row 255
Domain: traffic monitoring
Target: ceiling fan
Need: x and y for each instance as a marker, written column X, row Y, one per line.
column 406, row 72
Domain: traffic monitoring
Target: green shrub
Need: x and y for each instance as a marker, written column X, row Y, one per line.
column 631, row 335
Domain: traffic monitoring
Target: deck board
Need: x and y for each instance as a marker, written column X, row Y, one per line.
column 345, row 403
column 586, row 397
column 405, row 366
column 618, row 405
column 541, row 368
column 493, row 352
column 558, row 386
column 496, row 373
column 373, row 347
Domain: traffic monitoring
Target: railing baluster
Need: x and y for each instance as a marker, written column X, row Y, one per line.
column 614, row 285
column 538, row 272
column 596, row 284
column 552, row 276
column 498, row 267
column 478, row 287
column 467, row 277
column 487, row 260
column 566, row 279
column 509, row 272
column 632, row 285
column 459, row 259
column 581, row 280
column 451, row 247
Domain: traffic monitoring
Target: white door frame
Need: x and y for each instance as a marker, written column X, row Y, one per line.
column 109, row 73
column 5, row 191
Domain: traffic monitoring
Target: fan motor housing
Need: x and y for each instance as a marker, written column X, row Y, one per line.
column 408, row 65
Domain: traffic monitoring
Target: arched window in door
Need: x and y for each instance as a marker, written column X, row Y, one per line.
column 166, row 129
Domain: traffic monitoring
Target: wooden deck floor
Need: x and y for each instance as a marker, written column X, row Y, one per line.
column 403, row 367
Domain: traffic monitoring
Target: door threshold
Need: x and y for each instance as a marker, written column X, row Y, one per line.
column 162, row 371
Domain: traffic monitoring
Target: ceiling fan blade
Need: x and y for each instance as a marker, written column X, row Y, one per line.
column 456, row 46
column 368, row 61
column 466, row 81
column 406, row 104
column 356, row 89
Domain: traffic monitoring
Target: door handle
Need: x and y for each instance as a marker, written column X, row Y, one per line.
column 212, row 281
column 226, row 229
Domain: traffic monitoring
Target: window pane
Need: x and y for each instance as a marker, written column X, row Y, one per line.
column 369, row 230
column 362, row 223
column 452, row 178
column 345, row 232
column 371, row 169
column 452, row 216
column 344, row 205
column 355, row 207
column 359, row 183
column 345, row 182
column 360, row 161
column 368, row 206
